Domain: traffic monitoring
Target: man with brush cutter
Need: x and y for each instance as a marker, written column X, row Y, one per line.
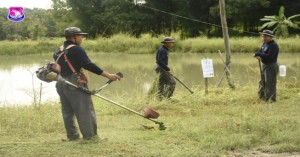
column 268, row 55
column 166, row 83
column 72, row 87
column 73, row 59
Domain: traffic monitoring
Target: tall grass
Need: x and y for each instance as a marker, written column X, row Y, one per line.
column 123, row 43
column 224, row 122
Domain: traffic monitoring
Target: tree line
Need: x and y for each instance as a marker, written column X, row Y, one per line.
column 192, row 18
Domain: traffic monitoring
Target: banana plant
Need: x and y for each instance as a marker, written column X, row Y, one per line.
column 280, row 23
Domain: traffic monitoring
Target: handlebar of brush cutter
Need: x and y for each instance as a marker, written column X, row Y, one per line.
column 106, row 84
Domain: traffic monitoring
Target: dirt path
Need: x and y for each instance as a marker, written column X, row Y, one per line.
column 261, row 154
column 276, row 155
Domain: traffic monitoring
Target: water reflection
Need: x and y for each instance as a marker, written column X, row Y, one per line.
column 19, row 86
column 18, row 82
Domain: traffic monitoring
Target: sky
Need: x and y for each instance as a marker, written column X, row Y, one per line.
column 45, row 4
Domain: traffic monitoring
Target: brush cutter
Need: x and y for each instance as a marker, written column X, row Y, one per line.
column 47, row 74
column 148, row 112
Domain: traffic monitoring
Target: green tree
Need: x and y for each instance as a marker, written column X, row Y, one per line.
column 280, row 24
column 61, row 17
column 242, row 15
column 38, row 23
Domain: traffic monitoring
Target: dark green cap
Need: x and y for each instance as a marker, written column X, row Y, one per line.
column 73, row 31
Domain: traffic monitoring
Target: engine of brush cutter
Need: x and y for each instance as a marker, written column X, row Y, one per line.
column 49, row 72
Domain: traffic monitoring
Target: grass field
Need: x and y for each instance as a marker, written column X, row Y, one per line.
column 122, row 43
column 222, row 123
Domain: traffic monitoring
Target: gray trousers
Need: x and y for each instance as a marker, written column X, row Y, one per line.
column 267, row 85
column 166, row 85
column 76, row 103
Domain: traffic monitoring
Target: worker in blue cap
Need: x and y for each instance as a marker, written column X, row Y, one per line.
column 166, row 83
column 267, row 55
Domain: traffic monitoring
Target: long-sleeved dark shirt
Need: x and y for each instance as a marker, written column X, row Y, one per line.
column 162, row 58
column 268, row 52
column 78, row 58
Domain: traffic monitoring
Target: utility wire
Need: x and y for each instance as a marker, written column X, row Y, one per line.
column 187, row 18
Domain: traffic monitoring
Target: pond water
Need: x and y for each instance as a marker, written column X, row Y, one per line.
column 19, row 85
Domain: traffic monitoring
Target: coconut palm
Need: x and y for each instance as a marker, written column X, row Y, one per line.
column 280, row 23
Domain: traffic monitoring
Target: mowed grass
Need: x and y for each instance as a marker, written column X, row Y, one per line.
column 224, row 122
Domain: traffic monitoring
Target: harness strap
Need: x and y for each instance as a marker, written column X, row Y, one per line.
column 81, row 77
column 64, row 52
column 61, row 48
column 59, row 56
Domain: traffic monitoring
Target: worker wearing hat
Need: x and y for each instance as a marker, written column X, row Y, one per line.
column 268, row 55
column 166, row 83
column 72, row 58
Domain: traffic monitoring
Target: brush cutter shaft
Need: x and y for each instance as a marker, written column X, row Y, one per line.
column 179, row 81
column 261, row 72
column 117, row 104
column 183, row 84
column 126, row 108
column 59, row 78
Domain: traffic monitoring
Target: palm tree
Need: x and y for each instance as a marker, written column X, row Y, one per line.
column 280, row 23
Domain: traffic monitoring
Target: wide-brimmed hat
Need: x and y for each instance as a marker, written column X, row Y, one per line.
column 73, row 31
column 268, row 33
column 168, row 40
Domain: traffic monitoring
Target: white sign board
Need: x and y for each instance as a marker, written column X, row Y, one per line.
column 207, row 67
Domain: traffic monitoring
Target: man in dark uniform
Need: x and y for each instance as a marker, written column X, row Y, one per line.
column 268, row 55
column 76, row 103
column 166, row 83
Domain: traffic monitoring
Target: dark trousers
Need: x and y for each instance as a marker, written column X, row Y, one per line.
column 76, row 103
column 267, row 85
column 166, row 85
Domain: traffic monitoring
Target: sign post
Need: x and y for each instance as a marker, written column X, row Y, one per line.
column 208, row 71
